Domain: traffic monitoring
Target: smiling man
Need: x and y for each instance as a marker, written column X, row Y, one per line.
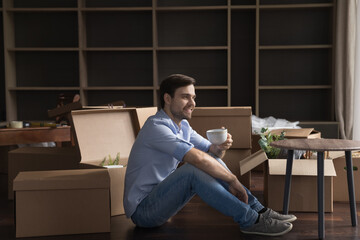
column 156, row 188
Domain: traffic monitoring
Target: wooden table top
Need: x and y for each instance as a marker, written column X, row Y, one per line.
column 13, row 136
column 320, row 144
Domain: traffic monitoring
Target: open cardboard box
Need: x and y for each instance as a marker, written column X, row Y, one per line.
column 56, row 195
column 303, row 195
column 103, row 132
column 236, row 119
column 303, row 192
column 62, row 202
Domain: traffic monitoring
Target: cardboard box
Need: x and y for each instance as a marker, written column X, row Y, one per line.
column 309, row 133
column 303, row 194
column 103, row 132
column 40, row 159
column 236, row 119
column 231, row 159
column 290, row 133
column 62, row 202
column 341, row 193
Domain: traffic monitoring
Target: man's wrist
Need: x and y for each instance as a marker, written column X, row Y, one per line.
column 233, row 179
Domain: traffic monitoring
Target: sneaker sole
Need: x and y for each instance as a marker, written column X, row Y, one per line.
column 289, row 220
column 270, row 234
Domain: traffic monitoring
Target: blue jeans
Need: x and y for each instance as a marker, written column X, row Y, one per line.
column 171, row 195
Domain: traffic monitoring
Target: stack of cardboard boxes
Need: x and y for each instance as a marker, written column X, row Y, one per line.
column 238, row 122
column 99, row 133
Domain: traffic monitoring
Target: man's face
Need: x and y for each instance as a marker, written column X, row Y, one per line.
column 183, row 103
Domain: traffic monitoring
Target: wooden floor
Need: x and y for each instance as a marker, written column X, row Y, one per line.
column 197, row 221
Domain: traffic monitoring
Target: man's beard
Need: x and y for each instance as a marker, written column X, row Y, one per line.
column 180, row 115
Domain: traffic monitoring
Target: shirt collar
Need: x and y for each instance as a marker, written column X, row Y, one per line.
column 164, row 114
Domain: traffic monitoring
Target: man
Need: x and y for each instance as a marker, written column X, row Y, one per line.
column 156, row 188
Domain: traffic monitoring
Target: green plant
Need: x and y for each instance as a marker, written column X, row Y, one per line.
column 111, row 161
column 266, row 138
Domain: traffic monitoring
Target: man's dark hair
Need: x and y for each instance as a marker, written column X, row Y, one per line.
column 173, row 82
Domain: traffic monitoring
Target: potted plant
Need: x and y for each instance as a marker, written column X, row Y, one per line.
column 109, row 161
column 266, row 138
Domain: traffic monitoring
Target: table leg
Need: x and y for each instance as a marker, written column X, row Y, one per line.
column 289, row 165
column 320, row 172
column 350, row 180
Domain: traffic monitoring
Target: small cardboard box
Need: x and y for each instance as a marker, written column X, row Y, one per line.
column 236, row 119
column 103, row 132
column 62, row 202
column 40, row 159
column 303, row 193
column 341, row 193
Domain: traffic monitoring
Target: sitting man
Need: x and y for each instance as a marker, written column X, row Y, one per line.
column 156, row 188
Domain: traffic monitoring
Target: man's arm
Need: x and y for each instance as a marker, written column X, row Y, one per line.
column 208, row 164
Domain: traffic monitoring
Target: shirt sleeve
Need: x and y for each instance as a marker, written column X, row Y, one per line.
column 163, row 139
column 199, row 141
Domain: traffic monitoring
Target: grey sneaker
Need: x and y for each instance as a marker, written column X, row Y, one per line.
column 268, row 227
column 269, row 213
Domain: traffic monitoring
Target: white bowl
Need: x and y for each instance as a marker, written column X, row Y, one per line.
column 217, row 136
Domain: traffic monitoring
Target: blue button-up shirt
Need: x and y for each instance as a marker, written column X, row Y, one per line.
column 158, row 149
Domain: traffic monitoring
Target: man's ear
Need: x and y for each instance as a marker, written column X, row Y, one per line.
column 167, row 98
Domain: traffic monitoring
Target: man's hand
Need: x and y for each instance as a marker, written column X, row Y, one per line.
column 227, row 144
column 237, row 189
column 219, row 150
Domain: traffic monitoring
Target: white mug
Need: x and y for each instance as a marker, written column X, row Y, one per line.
column 217, row 136
column 16, row 124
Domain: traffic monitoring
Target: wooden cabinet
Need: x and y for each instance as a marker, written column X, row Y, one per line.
column 273, row 55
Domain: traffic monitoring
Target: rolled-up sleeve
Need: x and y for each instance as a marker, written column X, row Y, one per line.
column 199, row 141
column 164, row 140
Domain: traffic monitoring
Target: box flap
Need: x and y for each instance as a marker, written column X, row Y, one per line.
column 144, row 113
column 221, row 111
column 62, row 179
column 301, row 167
column 105, row 131
column 298, row 132
column 252, row 161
